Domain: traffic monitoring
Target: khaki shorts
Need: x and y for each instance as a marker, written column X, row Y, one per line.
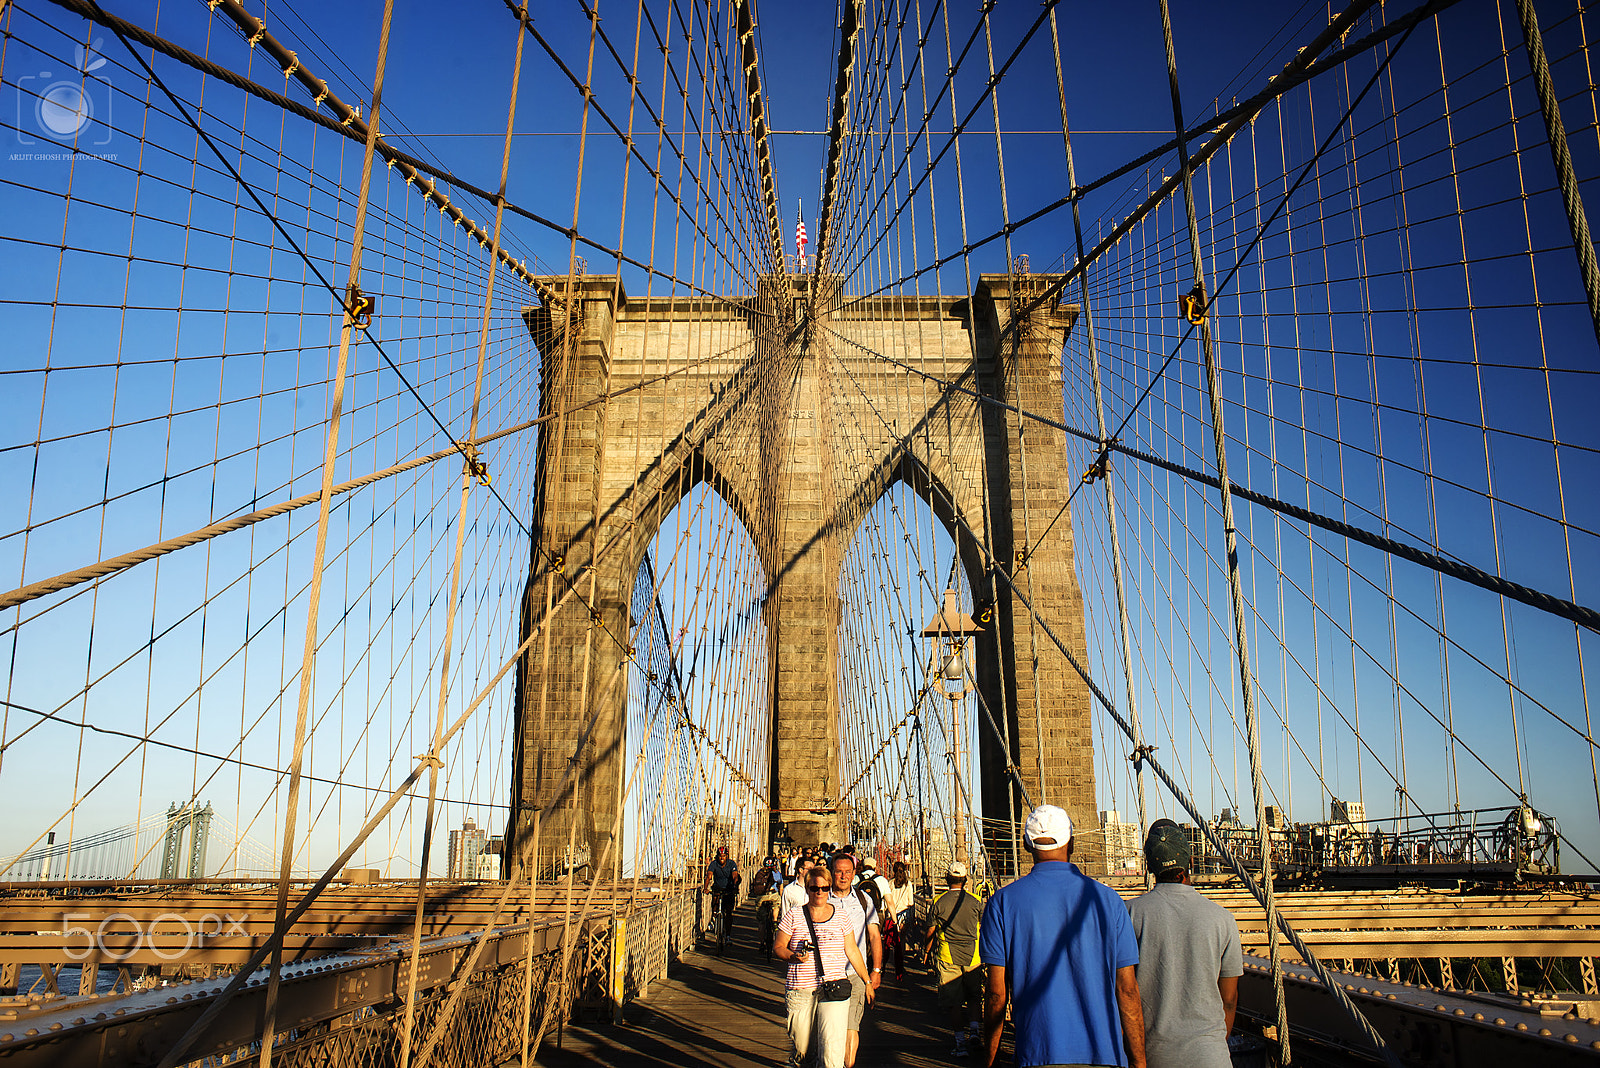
column 959, row 984
column 858, row 1001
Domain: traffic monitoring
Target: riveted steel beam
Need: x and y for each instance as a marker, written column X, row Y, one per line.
column 1427, row 1028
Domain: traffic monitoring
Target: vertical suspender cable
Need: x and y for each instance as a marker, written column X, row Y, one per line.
column 1199, row 310
column 1549, row 105
column 990, row 519
column 353, row 306
column 471, row 468
column 1102, row 462
column 1016, row 312
column 570, row 345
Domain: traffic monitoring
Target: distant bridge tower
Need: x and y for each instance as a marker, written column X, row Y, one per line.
column 758, row 418
column 196, row 821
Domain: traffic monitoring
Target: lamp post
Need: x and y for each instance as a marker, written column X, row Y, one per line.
column 950, row 630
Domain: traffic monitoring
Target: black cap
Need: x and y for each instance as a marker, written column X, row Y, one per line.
column 1166, row 847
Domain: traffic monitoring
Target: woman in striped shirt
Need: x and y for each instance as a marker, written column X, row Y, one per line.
column 836, row 949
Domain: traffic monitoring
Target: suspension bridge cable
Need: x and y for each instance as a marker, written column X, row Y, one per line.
column 1584, row 616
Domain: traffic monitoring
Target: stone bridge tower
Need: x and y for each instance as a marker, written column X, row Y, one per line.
column 755, row 392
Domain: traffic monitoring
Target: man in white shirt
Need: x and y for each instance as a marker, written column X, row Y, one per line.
column 863, row 916
column 901, row 905
column 794, row 891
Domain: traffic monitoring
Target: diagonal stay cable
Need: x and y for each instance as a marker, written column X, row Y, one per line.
column 1577, row 613
column 1226, row 124
column 355, row 129
column 365, row 328
column 112, row 565
column 992, row 83
column 1301, row 69
column 1261, row 232
column 175, row 1054
column 627, row 141
column 190, row 750
column 1147, row 756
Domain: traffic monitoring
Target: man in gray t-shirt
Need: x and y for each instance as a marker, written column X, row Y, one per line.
column 1189, row 961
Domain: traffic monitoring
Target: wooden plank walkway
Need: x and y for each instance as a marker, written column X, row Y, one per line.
column 727, row 1011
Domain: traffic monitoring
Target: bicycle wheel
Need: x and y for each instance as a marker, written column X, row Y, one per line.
column 766, row 932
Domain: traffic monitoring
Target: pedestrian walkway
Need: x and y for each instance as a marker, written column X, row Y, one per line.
column 727, row 1011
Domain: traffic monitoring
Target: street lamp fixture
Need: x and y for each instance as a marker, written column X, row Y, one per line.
column 950, row 630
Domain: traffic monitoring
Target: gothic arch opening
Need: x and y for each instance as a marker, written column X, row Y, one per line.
column 696, row 735
column 919, row 731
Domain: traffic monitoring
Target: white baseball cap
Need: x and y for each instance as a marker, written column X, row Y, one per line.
column 956, row 870
column 1050, row 823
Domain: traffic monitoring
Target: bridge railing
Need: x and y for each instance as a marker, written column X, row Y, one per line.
column 349, row 1007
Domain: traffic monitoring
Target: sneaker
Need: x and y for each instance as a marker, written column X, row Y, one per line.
column 960, row 1048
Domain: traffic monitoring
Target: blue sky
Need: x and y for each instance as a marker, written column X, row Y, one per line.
column 188, row 350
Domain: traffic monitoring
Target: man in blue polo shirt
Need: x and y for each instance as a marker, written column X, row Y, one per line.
column 1060, row 948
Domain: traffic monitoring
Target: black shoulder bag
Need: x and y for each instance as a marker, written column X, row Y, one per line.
column 827, row 989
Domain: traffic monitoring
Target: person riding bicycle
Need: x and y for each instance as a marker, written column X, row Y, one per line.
column 767, row 888
column 768, row 879
column 722, row 883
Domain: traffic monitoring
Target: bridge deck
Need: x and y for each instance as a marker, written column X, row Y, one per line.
column 727, row 1011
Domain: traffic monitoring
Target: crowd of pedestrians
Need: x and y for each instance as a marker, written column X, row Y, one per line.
column 1084, row 978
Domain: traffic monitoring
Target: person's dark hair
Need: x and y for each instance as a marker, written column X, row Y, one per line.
column 837, row 857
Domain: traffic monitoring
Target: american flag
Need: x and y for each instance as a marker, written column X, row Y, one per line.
column 800, row 235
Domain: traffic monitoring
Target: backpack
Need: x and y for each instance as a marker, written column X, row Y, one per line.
column 868, row 891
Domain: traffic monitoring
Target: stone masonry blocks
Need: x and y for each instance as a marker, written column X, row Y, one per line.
column 775, row 420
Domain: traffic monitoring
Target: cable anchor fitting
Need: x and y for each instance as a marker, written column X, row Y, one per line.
column 358, row 307
column 1140, row 755
column 1097, row 470
column 429, row 760
column 473, row 464
column 1192, row 305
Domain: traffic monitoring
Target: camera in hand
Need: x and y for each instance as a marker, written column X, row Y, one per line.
column 803, row 947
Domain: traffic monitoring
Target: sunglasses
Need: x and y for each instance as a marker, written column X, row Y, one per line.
column 820, row 888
